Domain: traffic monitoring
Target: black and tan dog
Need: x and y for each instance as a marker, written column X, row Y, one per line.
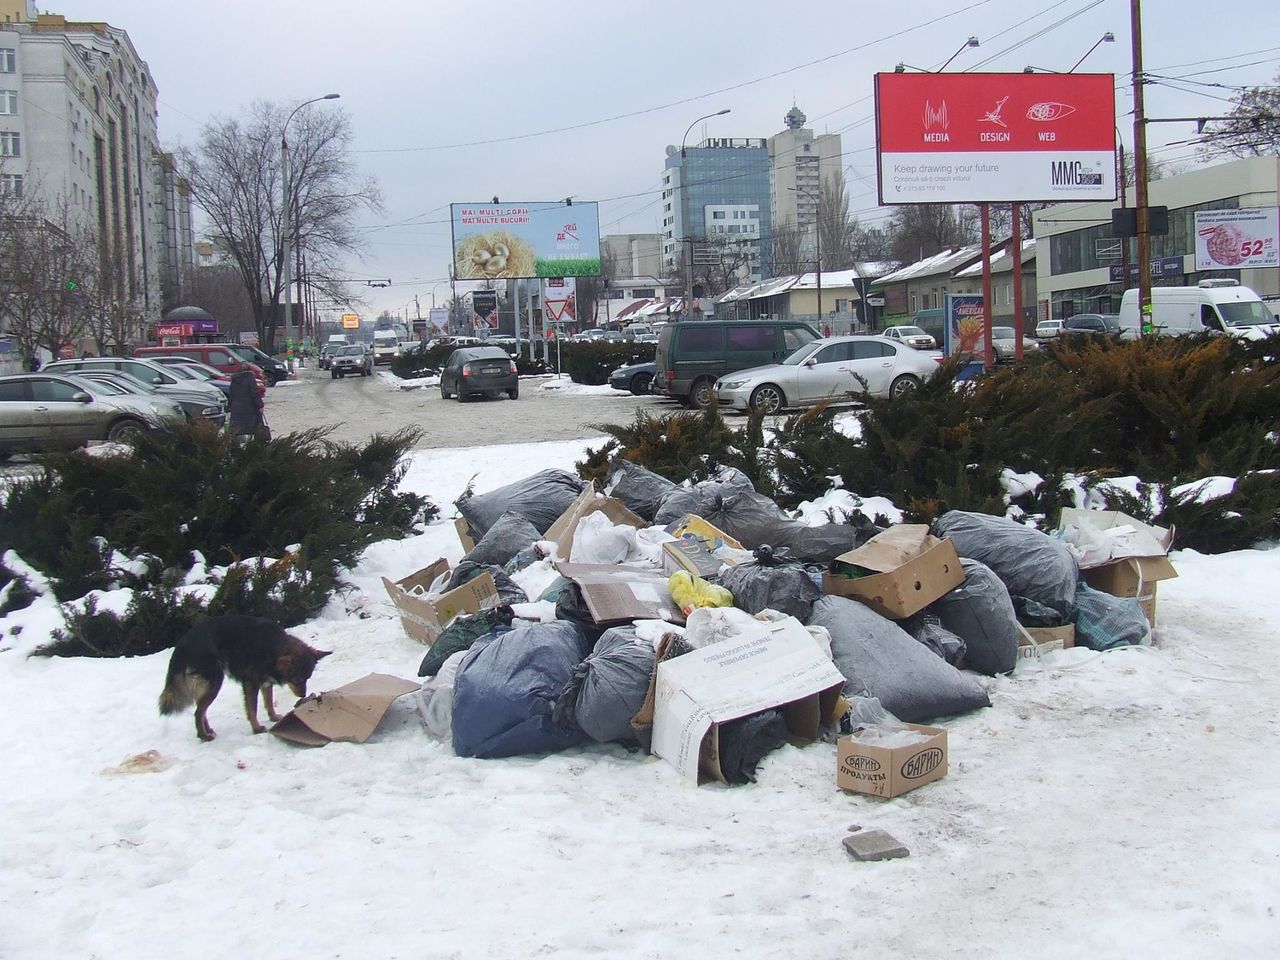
column 256, row 652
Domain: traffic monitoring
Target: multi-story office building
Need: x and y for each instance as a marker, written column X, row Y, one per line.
column 78, row 125
column 799, row 164
column 718, row 191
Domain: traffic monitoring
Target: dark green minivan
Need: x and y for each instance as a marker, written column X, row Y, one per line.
column 693, row 354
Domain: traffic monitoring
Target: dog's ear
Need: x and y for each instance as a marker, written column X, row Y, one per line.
column 284, row 665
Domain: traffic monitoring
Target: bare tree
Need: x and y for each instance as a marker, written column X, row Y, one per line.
column 235, row 176
column 920, row 231
column 834, row 224
column 868, row 243
column 787, row 258
column 220, row 290
column 1253, row 129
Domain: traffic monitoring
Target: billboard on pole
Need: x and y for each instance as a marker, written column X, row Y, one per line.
column 993, row 137
column 1237, row 239
column 509, row 241
column 559, row 299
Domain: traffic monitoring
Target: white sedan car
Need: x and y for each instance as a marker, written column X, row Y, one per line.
column 912, row 337
column 833, row 368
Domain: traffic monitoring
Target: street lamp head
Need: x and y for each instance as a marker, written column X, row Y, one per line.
column 1108, row 37
column 900, row 68
column 972, row 42
column 332, row 96
column 721, row 113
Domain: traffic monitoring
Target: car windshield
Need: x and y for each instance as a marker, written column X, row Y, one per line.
column 910, row 332
column 801, row 355
column 1002, row 333
column 125, row 382
column 1248, row 313
column 1111, row 321
column 351, row 351
column 104, row 387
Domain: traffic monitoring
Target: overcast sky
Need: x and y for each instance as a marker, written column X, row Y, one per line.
column 424, row 81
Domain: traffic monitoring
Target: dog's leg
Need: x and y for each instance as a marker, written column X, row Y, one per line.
column 268, row 700
column 251, row 707
column 203, row 700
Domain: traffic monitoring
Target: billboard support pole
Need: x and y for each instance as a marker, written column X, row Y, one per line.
column 515, row 314
column 1015, row 250
column 1140, row 170
column 532, row 334
column 987, row 346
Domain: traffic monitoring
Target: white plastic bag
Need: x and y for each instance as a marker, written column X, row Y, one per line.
column 707, row 625
column 435, row 698
column 597, row 540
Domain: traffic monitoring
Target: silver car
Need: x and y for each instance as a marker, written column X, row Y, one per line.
column 1004, row 343
column 912, row 337
column 154, row 374
column 49, row 411
column 353, row 359
column 194, row 405
column 833, row 368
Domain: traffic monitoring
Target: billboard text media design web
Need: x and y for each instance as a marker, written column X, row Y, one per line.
column 995, row 137
column 508, row 241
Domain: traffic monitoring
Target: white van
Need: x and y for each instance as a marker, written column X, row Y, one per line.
column 1221, row 306
column 386, row 345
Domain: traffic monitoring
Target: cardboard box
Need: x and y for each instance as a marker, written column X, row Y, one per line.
column 1119, row 554
column 864, row 767
column 424, row 615
column 352, row 712
column 699, row 548
column 1132, row 577
column 561, row 532
column 1036, row 640
column 617, row 593
column 464, row 534
column 775, row 665
column 914, row 568
column 692, row 526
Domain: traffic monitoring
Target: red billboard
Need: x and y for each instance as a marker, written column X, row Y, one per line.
column 989, row 137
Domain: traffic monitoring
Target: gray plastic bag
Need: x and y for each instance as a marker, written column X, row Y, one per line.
column 928, row 629
column 608, row 687
column 540, row 499
column 641, row 490
column 507, row 537
column 703, row 497
column 1031, row 564
column 980, row 612
column 879, row 659
column 768, row 583
column 754, row 520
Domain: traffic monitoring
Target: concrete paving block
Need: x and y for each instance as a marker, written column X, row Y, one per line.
column 875, row 845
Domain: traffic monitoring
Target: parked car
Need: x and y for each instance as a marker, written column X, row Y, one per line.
column 273, row 369
column 912, row 337
column 329, row 351
column 636, row 378
column 195, row 370
column 220, row 356
column 693, row 354
column 352, row 359
column 1048, row 329
column 1004, row 343
column 195, row 406
column 50, row 411
column 826, row 369
column 471, row 371
column 156, row 375
column 1087, row 323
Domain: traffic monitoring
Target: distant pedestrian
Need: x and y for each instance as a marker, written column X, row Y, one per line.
column 33, row 364
column 826, row 331
column 247, row 419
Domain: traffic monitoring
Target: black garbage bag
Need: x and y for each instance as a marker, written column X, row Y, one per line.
column 980, row 612
column 526, row 557
column 748, row 740
column 1031, row 564
column 608, row 687
column 754, row 520
column 540, row 499
column 1104, row 621
column 571, row 606
column 928, row 629
column 466, row 571
column 502, row 541
column 460, row 635
column 641, row 490
column 771, row 581
column 879, row 659
column 507, row 685
column 1032, row 614
column 702, row 497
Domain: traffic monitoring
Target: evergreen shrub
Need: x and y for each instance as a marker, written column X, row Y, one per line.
column 591, row 362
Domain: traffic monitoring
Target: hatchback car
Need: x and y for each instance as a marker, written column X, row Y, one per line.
column 832, row 368
column 912, row 337
column 195, row 370
column 471, row 371
column 1048, row 329
column 355, row 359
column 47, row 411
column 1086, row 323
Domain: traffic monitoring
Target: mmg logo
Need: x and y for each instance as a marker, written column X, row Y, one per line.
column 1072, row 173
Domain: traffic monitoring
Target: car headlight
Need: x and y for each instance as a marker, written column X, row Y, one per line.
column 211, row 411
column 729, row 384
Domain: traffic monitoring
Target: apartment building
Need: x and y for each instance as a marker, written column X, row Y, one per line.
column 799, row 163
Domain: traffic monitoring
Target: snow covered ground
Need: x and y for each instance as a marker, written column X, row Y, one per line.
column 1107, row 805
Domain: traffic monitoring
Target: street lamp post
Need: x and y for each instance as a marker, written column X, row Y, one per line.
column 817, row 239
column 688, row 287
column 286, row 217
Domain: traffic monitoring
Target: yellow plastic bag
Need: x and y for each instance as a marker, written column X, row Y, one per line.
column 690, row 592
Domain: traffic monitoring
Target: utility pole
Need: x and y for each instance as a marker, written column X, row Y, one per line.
column 1124, row 202
column 1140, row 170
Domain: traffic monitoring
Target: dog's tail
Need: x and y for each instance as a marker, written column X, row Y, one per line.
column 180, row 691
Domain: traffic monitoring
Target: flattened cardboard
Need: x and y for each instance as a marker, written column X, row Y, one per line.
column 424, row 615
column 890, row 772
column 915, row 569
column 617, row 593
column 692, row 526
column 352, row 712
column 561, row 532
column 464, row 534
column 1124, row 535
column 1036, row 640
column 778, row 664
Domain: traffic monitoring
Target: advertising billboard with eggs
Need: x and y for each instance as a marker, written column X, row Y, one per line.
column 508, row 241
column 995, row 137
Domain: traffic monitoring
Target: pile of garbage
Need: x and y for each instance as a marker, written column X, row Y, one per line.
column 703, row 624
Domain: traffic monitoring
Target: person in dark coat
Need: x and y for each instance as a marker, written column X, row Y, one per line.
column 245, row 405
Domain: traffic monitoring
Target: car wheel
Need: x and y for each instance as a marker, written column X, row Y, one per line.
column 640, row 383
column 702, row 393
column 767, row 398
column 444, row 394
column 514, row 393
column 125, row 430
column 903, row 385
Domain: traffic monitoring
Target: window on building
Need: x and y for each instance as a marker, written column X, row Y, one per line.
column 8, row 60
column 9, row 102
column 717, row 214
column 734, row 228
column 11, row 184
column 10, row 144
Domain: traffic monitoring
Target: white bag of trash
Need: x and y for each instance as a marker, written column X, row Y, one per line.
column 598, row 540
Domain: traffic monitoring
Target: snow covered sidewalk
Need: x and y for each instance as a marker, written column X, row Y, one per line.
column 1107, row 805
